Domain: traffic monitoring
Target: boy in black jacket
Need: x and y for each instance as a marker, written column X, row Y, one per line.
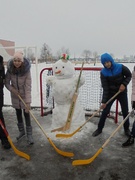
column 4, row 140
column 114, row 77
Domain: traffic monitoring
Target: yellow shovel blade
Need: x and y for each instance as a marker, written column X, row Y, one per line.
column 86, row 161
column 19, row 153
column 67, row 135
column 63, row 153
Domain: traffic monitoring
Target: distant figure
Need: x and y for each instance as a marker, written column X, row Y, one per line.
column 3, row 138
column 130, row 140
column 18, row 81
column 114, row 77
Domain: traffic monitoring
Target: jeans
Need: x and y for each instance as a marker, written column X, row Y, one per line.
column 133, row 129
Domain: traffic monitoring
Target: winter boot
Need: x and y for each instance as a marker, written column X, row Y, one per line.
column 129, row 142
column 5, row 144
column 29, row 135
column 21, row 131
column 97, row 132
column 127, row 133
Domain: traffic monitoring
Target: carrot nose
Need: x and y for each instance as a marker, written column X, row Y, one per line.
column 58, row 72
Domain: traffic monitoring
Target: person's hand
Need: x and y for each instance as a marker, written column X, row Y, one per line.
column 27, row 108
column 122, row 88
column 13, row 90
column 103, row 106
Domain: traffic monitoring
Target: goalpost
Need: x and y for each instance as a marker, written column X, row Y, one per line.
column 90, row 94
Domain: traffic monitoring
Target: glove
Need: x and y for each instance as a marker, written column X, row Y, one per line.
column 27, row 108
column 13, row 90
column 133, row 104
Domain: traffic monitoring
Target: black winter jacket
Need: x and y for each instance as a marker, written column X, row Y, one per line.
column 2, row 79
column 111, row 84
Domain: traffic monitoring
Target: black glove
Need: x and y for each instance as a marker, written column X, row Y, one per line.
column 133, row 104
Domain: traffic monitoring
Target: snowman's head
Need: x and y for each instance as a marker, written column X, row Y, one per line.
column 63, row 69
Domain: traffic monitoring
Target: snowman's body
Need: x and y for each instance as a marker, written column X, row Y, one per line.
column 63, row 84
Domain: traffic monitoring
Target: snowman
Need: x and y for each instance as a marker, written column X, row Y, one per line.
column 63, row 82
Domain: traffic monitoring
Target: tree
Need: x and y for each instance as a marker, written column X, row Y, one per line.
column 63, row 50
column 95, row 56
column 45, row 53
column 30, row 55
column 86, row 54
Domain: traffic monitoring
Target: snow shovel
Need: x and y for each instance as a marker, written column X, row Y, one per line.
column 19, row 153
column 70, row 135
column 72, row 106
column 63, row 153
column 90, row 160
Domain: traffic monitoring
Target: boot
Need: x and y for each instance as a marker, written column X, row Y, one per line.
column 29, row 135
column 5, row 144
column 21, row 131
column 127, row 133
column 129, row 142
column 97, row 132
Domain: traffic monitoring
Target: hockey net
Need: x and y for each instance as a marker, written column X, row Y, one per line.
column 90, row 94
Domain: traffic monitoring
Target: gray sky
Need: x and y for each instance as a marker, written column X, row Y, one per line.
column 95, row 25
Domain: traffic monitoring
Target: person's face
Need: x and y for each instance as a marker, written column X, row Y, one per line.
column 17, row 62
column 108, row 64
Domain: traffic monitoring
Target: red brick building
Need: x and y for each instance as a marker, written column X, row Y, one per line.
column 5, row 49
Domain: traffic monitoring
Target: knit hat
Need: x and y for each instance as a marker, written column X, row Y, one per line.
column 18, row 55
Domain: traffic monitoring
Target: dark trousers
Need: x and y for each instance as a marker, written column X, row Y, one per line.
column 2, row 134
column 123, row 100
column 133, row 129
column 20, row 118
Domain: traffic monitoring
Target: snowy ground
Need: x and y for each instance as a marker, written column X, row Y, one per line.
column 114, row 162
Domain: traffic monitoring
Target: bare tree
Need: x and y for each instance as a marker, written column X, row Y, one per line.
column 63, row 50
column 95, row 57
column 45, row 53
column 86, row 54
column 30, row 55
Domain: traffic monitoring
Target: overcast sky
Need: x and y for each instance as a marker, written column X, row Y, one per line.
column 95, row 25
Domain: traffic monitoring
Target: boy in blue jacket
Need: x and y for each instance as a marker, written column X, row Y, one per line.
column 114, row 77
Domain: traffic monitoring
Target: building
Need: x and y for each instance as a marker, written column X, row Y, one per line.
column 6, row 49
